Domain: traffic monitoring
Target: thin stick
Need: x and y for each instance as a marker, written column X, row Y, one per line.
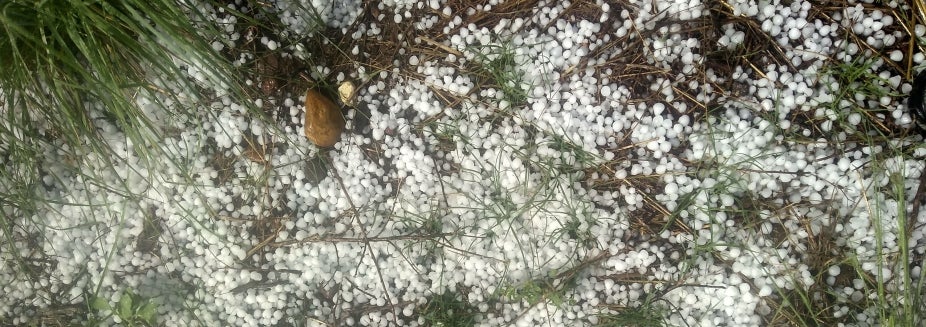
column 366, row 240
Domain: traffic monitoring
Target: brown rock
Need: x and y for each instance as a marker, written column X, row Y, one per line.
column 323, row 120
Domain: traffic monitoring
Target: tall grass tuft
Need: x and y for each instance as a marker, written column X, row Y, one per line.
column 69, row 68
column 74, row 74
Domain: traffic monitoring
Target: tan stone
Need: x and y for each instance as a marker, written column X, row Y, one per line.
column 347, row 93
column 323, row 120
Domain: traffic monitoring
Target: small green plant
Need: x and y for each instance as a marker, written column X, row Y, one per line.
column 132, row 309
column 577, row 229
column 855, row 107
column 500, row 64
column 644, row 315
column 535, row 291
column 448, row 310
column 647, row 313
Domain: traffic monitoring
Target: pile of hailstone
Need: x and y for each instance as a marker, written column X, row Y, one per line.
column 544, row 208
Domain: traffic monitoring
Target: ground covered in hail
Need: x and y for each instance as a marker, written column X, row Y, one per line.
column 527, row 163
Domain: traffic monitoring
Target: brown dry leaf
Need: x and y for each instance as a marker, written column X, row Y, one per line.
column 323, row 120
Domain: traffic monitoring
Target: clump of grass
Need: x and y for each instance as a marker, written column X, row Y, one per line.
column 64, row 65
column 72, row 76
column 861, row 88
column 646, row 314
column 448, row 310
column 71, row 71
column 499, row 64
column 535, row 291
